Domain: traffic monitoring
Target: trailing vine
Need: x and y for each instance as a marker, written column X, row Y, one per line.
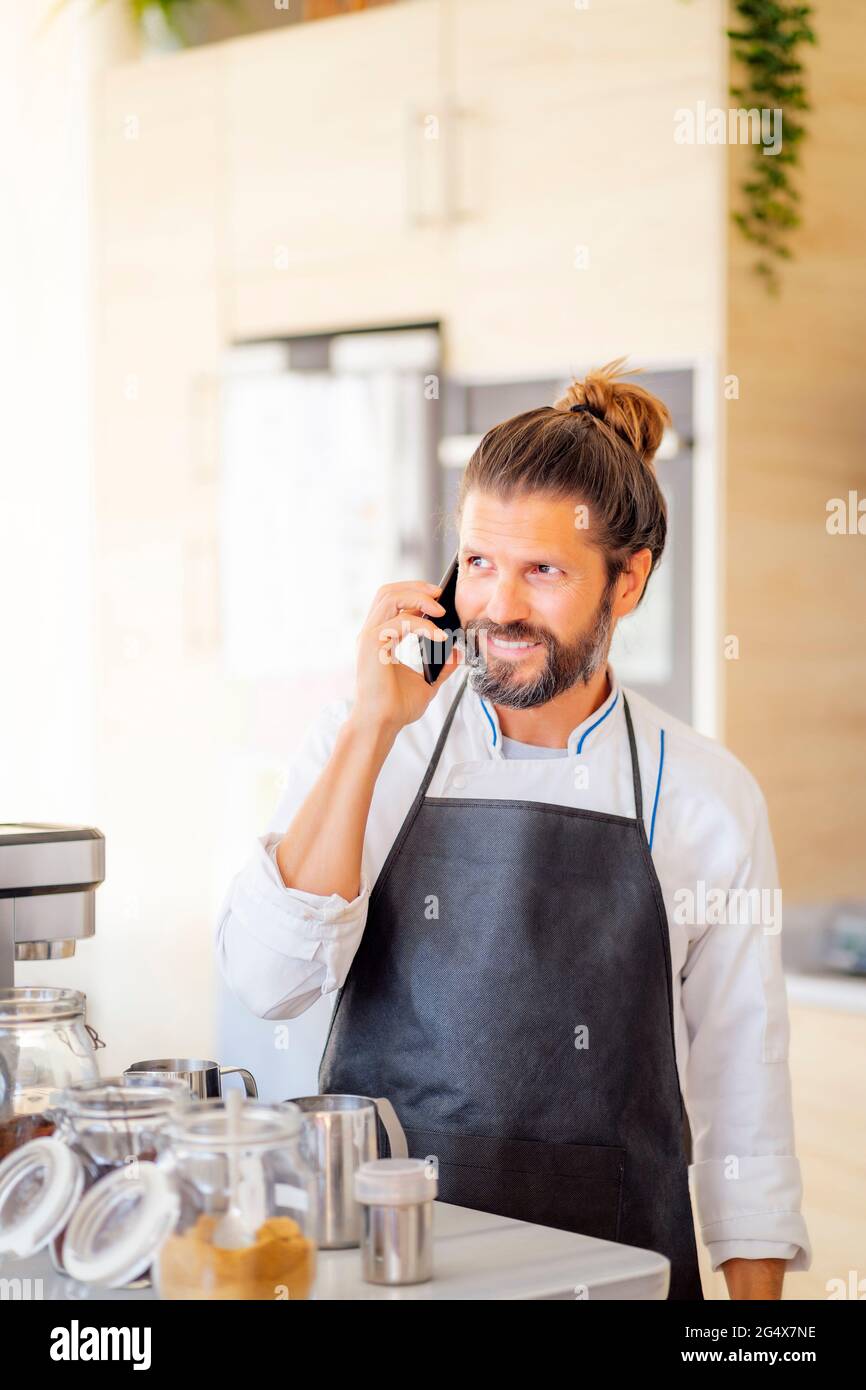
column 175, row 14
column 767, row 44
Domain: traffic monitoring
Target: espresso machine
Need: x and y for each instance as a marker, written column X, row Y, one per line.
column 48, row 880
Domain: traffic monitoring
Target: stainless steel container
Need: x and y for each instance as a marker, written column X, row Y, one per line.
column 339, row 1135
column 396, row 1198
column 203, row 1078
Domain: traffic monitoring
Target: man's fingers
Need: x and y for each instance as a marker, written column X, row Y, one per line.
column 409, row 598
column 402, row 624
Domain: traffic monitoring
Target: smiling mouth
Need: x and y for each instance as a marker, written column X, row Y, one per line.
column 510, row 650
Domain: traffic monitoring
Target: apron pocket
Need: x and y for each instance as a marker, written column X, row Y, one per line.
column 573, row 1187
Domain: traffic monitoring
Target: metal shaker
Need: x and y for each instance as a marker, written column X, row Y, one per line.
column 396, row 1197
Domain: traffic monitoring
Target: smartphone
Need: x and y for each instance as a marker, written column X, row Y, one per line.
column 435, row 654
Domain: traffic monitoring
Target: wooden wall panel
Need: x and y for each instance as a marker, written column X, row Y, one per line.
column 795, row 596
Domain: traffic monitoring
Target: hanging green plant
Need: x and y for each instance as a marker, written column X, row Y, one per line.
column 177, row 19
column 768, row 44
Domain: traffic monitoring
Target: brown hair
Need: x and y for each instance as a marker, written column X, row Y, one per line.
column 600, row 455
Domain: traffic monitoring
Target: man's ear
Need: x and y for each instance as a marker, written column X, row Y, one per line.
column 632, row 582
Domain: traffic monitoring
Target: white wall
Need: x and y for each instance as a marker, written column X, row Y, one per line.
column 47, row 691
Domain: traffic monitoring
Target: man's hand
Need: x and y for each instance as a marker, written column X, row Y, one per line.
column 754, row 1278
column 388, row 693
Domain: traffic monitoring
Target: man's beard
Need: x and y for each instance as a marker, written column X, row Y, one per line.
column 566, row 664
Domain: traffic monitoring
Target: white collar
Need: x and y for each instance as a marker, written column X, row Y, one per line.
column 587, row 734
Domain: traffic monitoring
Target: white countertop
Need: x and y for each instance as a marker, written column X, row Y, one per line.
column 846, row 994
column 475, row 1256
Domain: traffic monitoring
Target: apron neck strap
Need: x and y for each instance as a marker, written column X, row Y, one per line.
column 635, row 767
column 440, row 742
column 449, row 719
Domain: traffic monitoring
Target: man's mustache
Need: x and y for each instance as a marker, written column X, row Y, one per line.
column 508, row 634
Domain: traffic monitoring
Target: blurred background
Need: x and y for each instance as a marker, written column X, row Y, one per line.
column 267, row 272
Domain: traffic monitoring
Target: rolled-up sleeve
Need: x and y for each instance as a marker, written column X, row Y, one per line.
column 747, row 1180
column 280, row 948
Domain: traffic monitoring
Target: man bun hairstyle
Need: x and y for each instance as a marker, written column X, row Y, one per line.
column 595, row 444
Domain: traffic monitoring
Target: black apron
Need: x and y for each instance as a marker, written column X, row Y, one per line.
column 511, row 996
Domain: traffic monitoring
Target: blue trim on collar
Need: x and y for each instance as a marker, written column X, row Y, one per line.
column 658, row 785
column 489, row 720
column 586, row 733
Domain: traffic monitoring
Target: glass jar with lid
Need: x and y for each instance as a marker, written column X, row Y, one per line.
column 102, row 1126
column 114, row 1124
column 226, row 1212
column 45, row 1045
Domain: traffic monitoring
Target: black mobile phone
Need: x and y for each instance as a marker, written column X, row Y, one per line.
column 435, row 654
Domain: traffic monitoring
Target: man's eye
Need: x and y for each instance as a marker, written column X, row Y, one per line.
column 471, row 561
column 551, row 568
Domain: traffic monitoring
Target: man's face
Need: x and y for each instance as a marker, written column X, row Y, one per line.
column 529, row 576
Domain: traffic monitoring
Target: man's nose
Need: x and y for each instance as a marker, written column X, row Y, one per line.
column 507, row 604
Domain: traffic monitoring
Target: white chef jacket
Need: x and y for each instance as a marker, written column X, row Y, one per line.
column 706, row 819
